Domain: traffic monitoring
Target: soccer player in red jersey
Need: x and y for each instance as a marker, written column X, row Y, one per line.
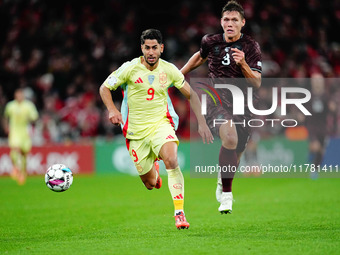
column 231, row 54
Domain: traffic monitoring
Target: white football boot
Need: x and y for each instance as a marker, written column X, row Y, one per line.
column 226, row 202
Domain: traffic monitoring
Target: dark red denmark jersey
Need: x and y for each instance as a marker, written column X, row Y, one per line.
column 220, row 61
column 222, row 65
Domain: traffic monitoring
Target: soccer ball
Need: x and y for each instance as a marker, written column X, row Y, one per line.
column 58, row 177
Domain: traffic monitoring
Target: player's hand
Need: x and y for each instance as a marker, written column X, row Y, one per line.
column 238, row 56
column 205, row 133
column 116, row 118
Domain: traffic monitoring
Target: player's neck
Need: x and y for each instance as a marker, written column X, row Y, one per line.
column 149, row 67
column 232, row 39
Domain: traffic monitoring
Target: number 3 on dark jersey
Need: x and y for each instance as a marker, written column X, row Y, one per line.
column 226, row 58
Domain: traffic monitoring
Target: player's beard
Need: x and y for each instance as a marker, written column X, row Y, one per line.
column 152, row 63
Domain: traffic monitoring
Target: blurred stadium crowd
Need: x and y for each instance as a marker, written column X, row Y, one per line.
column 61, row 52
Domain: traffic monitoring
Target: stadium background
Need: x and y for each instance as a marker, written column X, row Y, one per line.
column 61, row 51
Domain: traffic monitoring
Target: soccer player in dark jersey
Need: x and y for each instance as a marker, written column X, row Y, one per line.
column 231, row 54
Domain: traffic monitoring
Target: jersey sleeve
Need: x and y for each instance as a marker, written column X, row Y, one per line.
column 204, row 50
column 178, row 78
column 254, row 58
column 118, row 77
column 33, row 113
column 7, row 110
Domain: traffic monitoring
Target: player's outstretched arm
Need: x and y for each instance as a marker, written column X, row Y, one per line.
column 195, row 61
column 114, row 115
column 195, row 104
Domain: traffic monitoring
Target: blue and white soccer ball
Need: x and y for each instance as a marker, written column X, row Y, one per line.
column 58, row 177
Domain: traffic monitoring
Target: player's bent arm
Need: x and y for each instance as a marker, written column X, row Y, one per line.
column 195, row 61
column 34, row 114
column 114, row 115
column 254, row 77
column 195, row 104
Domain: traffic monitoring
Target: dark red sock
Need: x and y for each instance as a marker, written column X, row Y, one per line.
column 228, row 164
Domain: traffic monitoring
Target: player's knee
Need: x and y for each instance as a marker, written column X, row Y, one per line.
column 228, row 137
column 149, row 187
column 149, row 184
column 170, row 162
column 229, row 141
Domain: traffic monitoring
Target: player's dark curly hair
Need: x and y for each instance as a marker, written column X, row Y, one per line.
column 151, row 34
column 233, row 6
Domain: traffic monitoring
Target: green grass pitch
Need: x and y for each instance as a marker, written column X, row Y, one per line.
column 115, row 214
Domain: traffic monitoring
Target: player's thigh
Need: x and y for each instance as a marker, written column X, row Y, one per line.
column 142, row 155
column 164, row 145
column 225, row 129
column 168, row 153
column 21, row 143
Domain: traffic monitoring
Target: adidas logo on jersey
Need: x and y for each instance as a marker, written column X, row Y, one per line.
column 170, row 137
column 139, row 80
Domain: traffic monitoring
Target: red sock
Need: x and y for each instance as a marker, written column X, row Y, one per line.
column 228, row 164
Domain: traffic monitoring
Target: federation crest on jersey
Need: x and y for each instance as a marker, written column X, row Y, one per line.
column 139, row 168
column 217, row 51
column 151, row 78
column 162, row 78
